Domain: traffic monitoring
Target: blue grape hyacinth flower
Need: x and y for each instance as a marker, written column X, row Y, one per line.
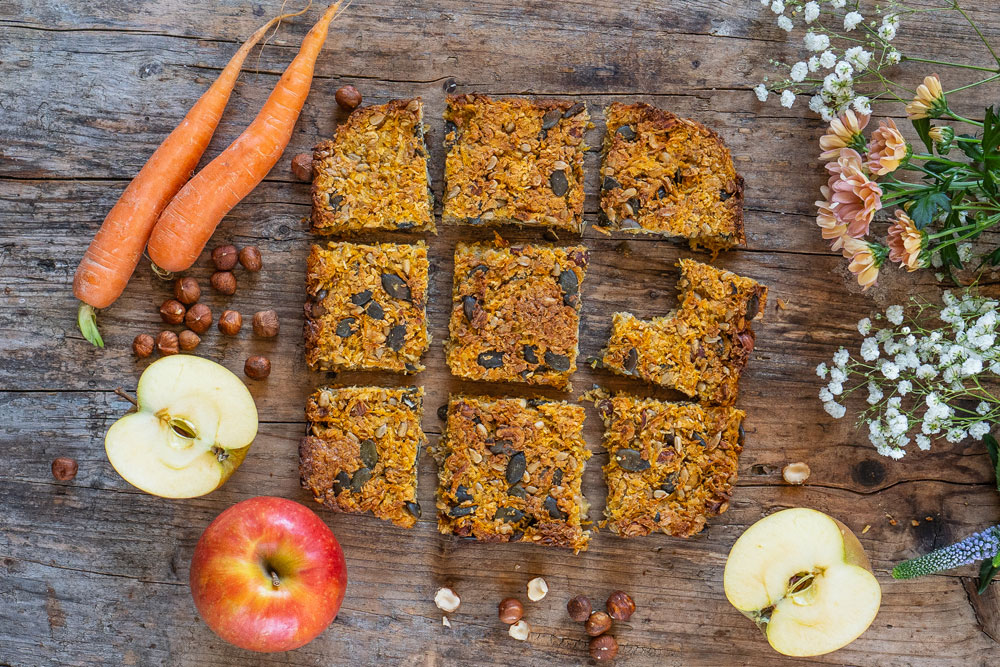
column 979, row 546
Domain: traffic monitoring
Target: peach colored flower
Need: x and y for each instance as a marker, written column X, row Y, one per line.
column 907, row 243
column 844, row 132
column 832, row 229
column 886, row 149
column 866, row 258
column 856, row 197
column 929, row 100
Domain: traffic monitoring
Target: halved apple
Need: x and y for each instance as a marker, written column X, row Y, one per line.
column 192, row 428
column 804, row 578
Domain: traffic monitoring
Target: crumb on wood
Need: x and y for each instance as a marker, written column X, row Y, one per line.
column 914, row 523
column 781, row 303
column 867, row 527
column 892, row 521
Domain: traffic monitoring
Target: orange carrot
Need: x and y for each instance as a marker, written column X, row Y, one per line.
column 191, row 217
column 116, row 249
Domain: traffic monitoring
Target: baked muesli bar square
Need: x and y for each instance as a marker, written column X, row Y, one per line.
column 701, row 348
column 670, row 176
column 670, row 465
column 514, row 161
column 510, row 471
column 515, row 313
column 373, row 173
column 366, row 307
column 362, row 449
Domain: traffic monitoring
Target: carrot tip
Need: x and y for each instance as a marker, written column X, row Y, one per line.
column 86, row 319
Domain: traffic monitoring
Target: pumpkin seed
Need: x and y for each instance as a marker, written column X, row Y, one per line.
column 470, row 306
column 360, row 478
column 552, row 507
column 557, row 477
column 610, row 183
column 517, row 491
column 573, row 110
column 629, row 223
column 443, row 412
column 669, row 485
column 557, row 362
column 559, row 183
column 631, row 360
column 528, row 352
column 661, row 193
column 369, row 453
column 345, row 327
column 396, row 337
column 626, row 132
column 742, row 436
column 449, row 127
column 631, row 460
column 341, row 482
column 753, row 306
column 462, row 494
column 569, row 283
column 723, row 195
column 701, row 440
column 336, row 201
column 502, row 447
column 551, row 119
column 375, row 311
column 515, row 468
column 462, row 511
column 395, row 287
column 509, row 514
column 361, row 298
column 478, row 268
column 490, row 359
column 413, row 507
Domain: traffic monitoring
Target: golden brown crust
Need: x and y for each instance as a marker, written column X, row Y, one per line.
column 514, row 161
column 701, row 348
column 362, row 449
column 366, row 307
column 671, row 176
column 516, row 313
column 373, row 173
column 510, row 470
column 670, row 465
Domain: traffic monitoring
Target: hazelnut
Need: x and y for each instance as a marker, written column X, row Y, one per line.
column 225, row 282
column 579, row 608
column 537, row 589
column 188, row 340
column 186, row 290
column 265, row 324
column 796, row 473
column 511, row 610
column 172, row 311
column 520, row 630
column 603, row 648
column 620, row 606
column 446, row 600
column 598, row 623
column 64, row 468
column 257, row 367
column 166, row 343
column 143, row 345
column 348, row 98
column 302, row 167
column 198, row 318
column 250, row 259
column 230, row 322
column 224, row 257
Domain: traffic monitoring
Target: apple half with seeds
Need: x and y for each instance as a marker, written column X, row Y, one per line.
column 804, row 578
column 191, row 429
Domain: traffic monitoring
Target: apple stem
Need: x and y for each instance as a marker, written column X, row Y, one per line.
column 121, row 392
column 275, row 581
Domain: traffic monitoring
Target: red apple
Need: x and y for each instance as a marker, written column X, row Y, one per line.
column 268, row 575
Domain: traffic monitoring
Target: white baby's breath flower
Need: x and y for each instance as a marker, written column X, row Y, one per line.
column 955, row 433
column 777, row 6
column 972, row 366
column 889, row 370
column 925, row 372
column 837, row 374
column 799, row 71
column 787, row 99
column 760, row 90
column 965, row 252
column 891, row 19
column 841, row 357
column 893, row 57
column 887, row 32
column 874, row 393
column 836, row 388
column 827, row 114
column 904, row 387
column 834, row 409
column 843, row 70
column 851, row 20
column 895, row 403
column 816, row 103
column 813, row 63
column 815, row 41
column 862, row 105
column 822, row 370
column 825, row 395
column 811, row 11
column 978, row 430
column 894, row 314
column 923, row 442
column 828, row 59
column 838, row 4
column 785, row 23
column 864, row 326
column 858, row 57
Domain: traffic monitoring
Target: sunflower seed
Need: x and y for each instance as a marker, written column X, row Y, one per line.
column 345, row 327
column 629, row 223
column 559, row 183
column 515, row 468
column 375, row 120
column 631, row 460
column 369, row 453
column 396, row 337
column 476, row 457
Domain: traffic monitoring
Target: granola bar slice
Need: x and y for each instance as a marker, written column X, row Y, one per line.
column 510, row 471
column 361, row 454
column 373, row 173
column 366, row 307
column 671, row 465
column 516, row 313
column 670, row 176
column 701, row 348
column 514, row 161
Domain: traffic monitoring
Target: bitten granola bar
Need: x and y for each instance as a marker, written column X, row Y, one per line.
column 514, row 161
column 510, row 470
column 366, row 307
column 361, row 454
column 515, row 313
column 671, row 176
column 701, row 348
column 671, row 465
column 373, row 173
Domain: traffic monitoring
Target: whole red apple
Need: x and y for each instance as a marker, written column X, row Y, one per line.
column 268, row 575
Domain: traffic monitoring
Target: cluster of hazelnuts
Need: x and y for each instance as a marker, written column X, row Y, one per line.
column 619, row 606
column 186, row 309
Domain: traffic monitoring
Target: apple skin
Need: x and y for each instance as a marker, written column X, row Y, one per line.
column 232, row 584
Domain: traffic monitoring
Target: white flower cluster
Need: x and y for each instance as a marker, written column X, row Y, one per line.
column 831, row 73
column 938, row 371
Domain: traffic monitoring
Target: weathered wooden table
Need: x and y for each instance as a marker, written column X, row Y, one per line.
column 95, row 572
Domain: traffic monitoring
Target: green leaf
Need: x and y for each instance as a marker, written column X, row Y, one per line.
column 86, row 319
column 926, row 208
column 987, row 570
column 993, row 259
column 923, row 128
column 973, row 150
column 993, row 448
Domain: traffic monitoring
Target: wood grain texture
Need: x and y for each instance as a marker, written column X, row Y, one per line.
column 95, row 572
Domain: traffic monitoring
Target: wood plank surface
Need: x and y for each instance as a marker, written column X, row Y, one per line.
column 95, row 572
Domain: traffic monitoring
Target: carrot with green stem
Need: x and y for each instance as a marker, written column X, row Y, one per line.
column 191, row 217
column 117, row 247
